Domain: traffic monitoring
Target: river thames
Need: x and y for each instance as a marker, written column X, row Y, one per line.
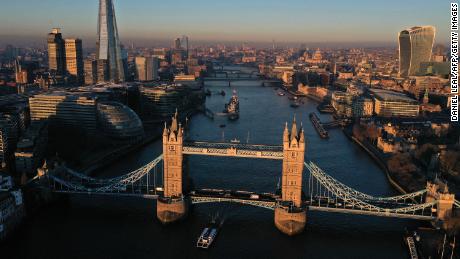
column 112, row 227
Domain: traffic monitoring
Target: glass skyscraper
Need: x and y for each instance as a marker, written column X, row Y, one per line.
column 109, row 54
column 415, row 46
column 184, row 44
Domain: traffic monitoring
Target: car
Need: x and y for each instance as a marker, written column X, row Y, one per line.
column 254, row 197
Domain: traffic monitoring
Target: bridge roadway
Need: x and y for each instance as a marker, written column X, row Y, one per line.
column 233, row 149
column 270, row 200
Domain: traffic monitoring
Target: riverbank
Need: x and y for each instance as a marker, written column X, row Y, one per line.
column 379, row 160
column 113, row 155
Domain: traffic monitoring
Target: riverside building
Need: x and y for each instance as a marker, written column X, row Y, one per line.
column 161, row 101
column 393, row 104
column 63, row 108
column 119, row 122
column 31, row 149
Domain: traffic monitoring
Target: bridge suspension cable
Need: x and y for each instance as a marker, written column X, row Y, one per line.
column 319, row 173
column 357, row 200
column 116, row 184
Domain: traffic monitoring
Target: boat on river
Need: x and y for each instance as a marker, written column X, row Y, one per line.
column 233, row 107
column 209, row 233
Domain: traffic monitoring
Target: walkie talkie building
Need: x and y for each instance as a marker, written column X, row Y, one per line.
column 109, row 55
column 415, row 46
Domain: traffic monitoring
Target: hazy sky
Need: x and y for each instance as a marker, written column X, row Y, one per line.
column 229, row 20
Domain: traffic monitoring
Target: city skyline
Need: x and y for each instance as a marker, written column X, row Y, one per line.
column 191, row 129
column 146, row 23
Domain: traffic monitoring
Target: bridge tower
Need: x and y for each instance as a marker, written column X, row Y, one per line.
column 445, row 201
column 290, row 215
column 172, row 205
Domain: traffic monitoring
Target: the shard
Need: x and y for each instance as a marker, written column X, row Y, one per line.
column 109, row 53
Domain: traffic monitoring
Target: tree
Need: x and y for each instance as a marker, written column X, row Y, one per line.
column 401, row 163
column 425, row 152
column 450, row 160
column 358, row 132
column 372, row 132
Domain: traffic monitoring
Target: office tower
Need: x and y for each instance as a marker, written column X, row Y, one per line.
column 65, row 109
column 90, row 67
column 184, row 44
column 177, row 43
column 124, row 62
column 109, row 53
column 146, row 68
column 56, row 52
column 415, row 47
column 74, row 58
column 394, row 104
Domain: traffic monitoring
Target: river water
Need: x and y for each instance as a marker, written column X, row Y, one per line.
column 111, row 227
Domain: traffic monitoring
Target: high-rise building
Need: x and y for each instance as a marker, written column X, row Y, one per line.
column 415, row 47
column 74, row 58
column 147, row 68
column 56, row 52
column 184, row 45
column 102, row 69
column 90, row 67
column 177, row 43
column 109, row 53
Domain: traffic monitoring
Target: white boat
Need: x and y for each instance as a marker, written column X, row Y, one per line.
column 235, row 141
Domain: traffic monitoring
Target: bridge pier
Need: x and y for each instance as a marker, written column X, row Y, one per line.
column 290, row 220
column 170, row 210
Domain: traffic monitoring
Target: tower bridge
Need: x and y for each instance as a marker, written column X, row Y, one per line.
column 299, row 192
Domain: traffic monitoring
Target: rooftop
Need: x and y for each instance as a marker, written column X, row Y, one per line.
column 386, row 95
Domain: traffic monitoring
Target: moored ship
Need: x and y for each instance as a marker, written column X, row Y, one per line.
column 317, row 124
column 233, row 107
